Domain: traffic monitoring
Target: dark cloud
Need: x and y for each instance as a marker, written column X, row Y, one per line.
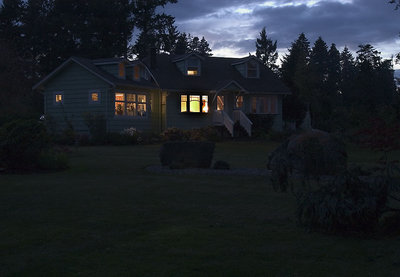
column 352, row 23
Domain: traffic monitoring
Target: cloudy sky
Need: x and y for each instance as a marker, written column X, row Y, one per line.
column 231, row 26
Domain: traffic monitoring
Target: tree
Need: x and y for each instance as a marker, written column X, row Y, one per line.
column 334, row 70
column 294, row 72
column 347, row 76
column 318, row 66
column 204, row 48
column 181, row 46
column 374, row 81
column 153, row 26
column 396, row 2
column 266, row 50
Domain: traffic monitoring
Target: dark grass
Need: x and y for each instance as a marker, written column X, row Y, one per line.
column 107, row 216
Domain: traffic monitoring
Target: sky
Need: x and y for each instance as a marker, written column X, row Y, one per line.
column 232, row 26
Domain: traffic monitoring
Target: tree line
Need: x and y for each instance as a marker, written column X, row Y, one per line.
column 38, row 35
column 48, row 32
column 340, row 90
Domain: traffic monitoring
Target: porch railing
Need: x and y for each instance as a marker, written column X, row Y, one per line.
column 221, row 117
column 244, row 121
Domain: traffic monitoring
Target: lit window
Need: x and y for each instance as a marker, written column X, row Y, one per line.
column 204, row 104
column 252, row 69
column 264, row 104
column 59, row 98
column 194, row 103
column 94, row 97
column 193, row 67
column 130, row 104
column 239, row 102
column 220, row 103
column 183, row 103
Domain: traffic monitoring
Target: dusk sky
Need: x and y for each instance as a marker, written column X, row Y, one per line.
column 231, row 26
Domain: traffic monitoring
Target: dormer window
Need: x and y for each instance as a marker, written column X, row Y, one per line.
column 252, row 69
column 193, row 67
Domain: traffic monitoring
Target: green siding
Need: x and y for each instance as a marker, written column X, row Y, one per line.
column 75, row 83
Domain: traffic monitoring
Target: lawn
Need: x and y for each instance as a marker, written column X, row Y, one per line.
column 108, row 216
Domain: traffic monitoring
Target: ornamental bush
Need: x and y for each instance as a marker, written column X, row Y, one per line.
column 186, row 154
column 21, row 144
column 345, row 205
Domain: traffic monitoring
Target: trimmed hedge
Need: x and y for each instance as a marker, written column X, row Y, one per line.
column 185, row 154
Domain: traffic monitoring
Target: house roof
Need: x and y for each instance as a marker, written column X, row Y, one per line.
column 95, row 70
column 216, row 73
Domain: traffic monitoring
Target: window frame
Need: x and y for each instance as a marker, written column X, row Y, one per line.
column 91, row 101
column 257, row 69
column 188, row 96
column 135, row 102
column 55, row 102
column 198, row 67
column 269, row 99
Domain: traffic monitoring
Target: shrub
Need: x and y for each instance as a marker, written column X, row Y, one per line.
column 262, row 124
column 96, row 124
column 185, row 154
column 344, row 205
column 21, row 142
column 221, row 165
column 174, row 134
column 203, row 134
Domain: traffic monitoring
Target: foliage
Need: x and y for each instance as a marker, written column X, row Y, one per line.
column 96, row 124
column 222, row 165
column 262, row 124
column 173, row 134
column 343, row 205
column 186, row 43
column 184, row 154
column 48, row 32
column 266, row 50
column 21, row 143
column 203, row 134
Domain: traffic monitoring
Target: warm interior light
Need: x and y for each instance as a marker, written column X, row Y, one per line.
column 192, row 72
column 95, row 96
column 204, row 104
column 58, row 98
column 194, row 103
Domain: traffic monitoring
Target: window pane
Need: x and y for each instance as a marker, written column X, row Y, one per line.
column 274, row 104
column 141, row 98
column 95, row 97
column 195, row 103
column 59, row 98
column 204, row 104
column 254, row 104
column 131, row 109
column 192, row 71
column 141, row 109
column 220, row 103
column 119, row 96
column 119, row 108
column 183, row 103
column 130, row 97
column 239, row 102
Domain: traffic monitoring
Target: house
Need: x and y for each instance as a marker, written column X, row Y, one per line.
column 162, row 91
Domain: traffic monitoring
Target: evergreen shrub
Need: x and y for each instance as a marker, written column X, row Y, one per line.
column 186, row 154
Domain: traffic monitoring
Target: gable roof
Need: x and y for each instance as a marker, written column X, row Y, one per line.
column 90, row 65
column 216, row 73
